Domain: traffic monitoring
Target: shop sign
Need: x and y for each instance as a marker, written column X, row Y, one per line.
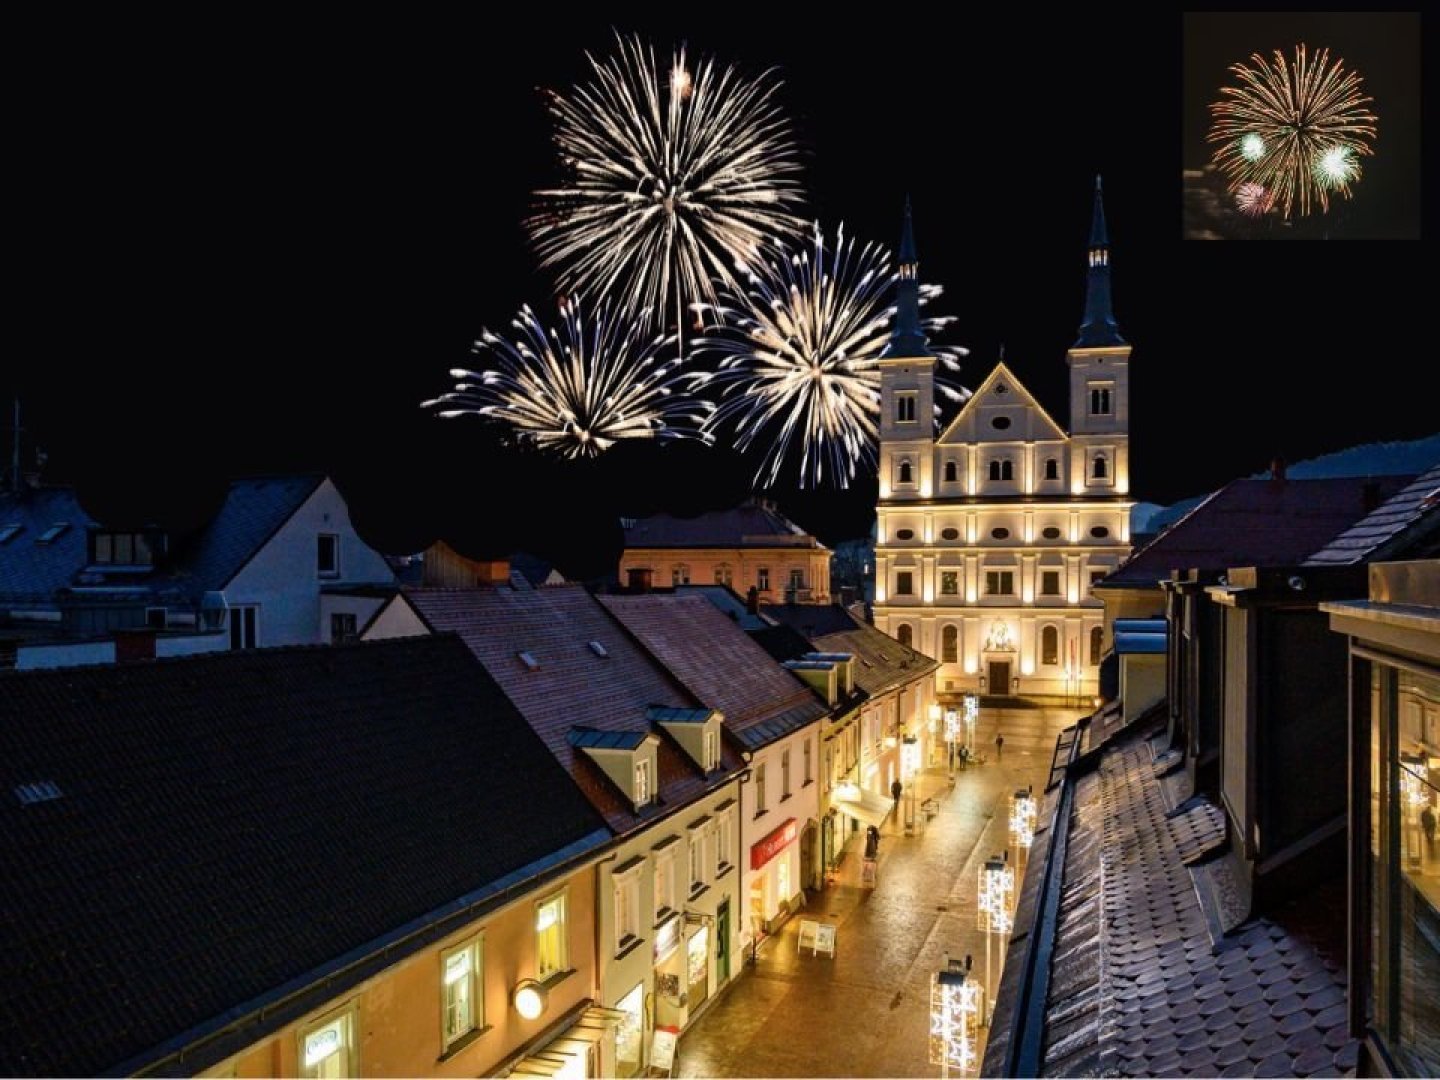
column 766, row 849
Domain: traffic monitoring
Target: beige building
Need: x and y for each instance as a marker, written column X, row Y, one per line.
column 990, row 537
column 749, row 546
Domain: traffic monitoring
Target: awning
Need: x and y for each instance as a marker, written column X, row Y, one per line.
column 572, row 1052
column 862, row 805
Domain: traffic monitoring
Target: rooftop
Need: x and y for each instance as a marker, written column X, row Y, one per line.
column 554, row 628
column 209, row 808
column 720, row 664
column 1254, row 523
column 880, row 662
column 752, row 524
column 31, row 568
column 1411, row 511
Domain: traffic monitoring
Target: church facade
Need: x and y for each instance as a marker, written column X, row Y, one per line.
column 991, row 534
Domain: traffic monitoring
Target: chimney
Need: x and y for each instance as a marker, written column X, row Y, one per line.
column 638, row 578
column 752, row 600
column 1277, row 468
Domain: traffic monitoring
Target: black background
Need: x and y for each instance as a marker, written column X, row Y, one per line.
column 257, row 246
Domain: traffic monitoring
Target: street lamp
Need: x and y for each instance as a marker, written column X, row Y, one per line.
column 957, row 1003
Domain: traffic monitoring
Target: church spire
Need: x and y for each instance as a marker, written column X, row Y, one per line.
column 907, row 339
column 1098, row 328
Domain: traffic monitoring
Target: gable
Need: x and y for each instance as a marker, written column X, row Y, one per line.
column 1001, row 397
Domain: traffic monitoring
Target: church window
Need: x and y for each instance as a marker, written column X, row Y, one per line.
column 1000, row 423
column 904, row 534
column 903, row 634
column 1052, row 469
column 1050, row 583
column 904, row 583
column 1000, row 534
column 949, row 583
column 906, row 473
column 994, row 470
column 999, row 583
column 1007, row 470
column 1050, row 646
column 1000, row 388
column 1050, row 532
column 949, row 645
column 1099, row 401
column 1102, row 467
column 952, row 472
column 905, row 408
column 1099, row 532
column 949, row 534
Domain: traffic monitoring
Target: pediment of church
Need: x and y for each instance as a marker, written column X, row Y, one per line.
column 1001, row 410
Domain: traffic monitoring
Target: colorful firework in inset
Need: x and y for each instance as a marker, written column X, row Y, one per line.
column 578, row 391
column 1253, row 200
column 1297, row 130
column 799, row 350
column 673, row 175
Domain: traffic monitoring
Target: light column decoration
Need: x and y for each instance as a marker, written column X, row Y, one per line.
column 957, row 1004
column 909, row 774
column 1024, row 815
column 995, row 911
column 952, row 736
column 972, row 714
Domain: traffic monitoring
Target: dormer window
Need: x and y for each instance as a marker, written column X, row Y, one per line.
column 712, row 751
column 9, row 532
column 52, row 533
column 643, row 790
column 121, row 549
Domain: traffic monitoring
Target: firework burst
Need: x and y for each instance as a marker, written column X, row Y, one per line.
column 579, row 390
column 672, row 176
column 799, row 349
column 1296, row 130
column 1253, row 200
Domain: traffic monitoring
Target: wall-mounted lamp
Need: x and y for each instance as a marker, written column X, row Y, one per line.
column 529, row 999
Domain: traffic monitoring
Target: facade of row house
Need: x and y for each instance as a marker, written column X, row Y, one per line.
column 750, row 546
column 292, row 862
column 655, row 761
column 991, row 534
column 884, row 725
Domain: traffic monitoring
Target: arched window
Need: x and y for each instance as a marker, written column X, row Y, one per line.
column 1102, row 468
column 1007, row 470
column 903, row 634
column 994, row 470
column 905, row 472
column 1050, row 645
column 1052, row 469
column 1097, row 635
column 952, row 472
column 950, row 645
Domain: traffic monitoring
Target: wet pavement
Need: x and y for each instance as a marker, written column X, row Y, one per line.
column 866, row 1012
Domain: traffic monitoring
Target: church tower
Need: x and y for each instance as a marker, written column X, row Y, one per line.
column 1099, row 380
column 907, row 387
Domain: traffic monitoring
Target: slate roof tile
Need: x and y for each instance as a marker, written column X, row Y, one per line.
column 747, row 525
column 881, row 662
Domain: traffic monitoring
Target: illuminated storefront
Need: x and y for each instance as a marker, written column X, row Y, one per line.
column 775, row 878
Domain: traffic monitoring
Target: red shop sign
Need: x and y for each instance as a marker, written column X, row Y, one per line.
column 764, row 850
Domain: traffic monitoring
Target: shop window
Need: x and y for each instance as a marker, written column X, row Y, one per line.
column 327, row 1046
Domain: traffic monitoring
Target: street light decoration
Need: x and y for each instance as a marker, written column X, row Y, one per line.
column 1024, row 814
column 997, row 888
column 957, row 1002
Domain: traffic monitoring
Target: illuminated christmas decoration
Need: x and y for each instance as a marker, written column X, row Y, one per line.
column 957, row 1005
column 1295, row 130
column 1024, row 815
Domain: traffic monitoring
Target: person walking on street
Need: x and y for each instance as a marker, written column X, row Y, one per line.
column 999, row 747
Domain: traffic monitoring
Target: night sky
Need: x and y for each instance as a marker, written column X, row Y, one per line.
column 259, row 248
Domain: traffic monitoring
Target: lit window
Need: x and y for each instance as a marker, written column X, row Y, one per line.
column 327, row 555
column 762, row 579
column 949, row 583
column 627, row 908
column 680, row 575
column 327, row 1047
column 949, row 645
column 723, row 574
column 552, row 938
column 459, row 971
column 642, row 782
column 664, row 885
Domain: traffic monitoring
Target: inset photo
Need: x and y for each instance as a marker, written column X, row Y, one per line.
column 1301, row 126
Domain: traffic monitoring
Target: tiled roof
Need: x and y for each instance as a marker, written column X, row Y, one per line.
column 1254, row 523
column 881, row 662
column 253, row 510
column 572, row 684
column 782, row 642
column 231, row 822
column 1415, row 508
column 588, row 738
column 1140, row 984
column 30, row 572
column 728, row 601
column 720, row 664
column 747, row 525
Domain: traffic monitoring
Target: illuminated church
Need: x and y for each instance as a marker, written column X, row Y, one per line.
column 990, row 535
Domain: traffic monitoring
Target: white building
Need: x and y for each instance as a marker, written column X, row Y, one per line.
column 990, row 535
